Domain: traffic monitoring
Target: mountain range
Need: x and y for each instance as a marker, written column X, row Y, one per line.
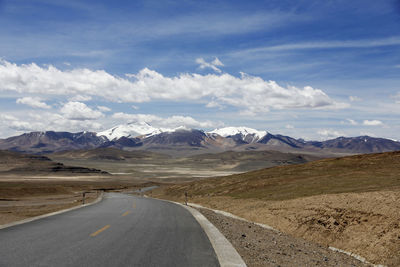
column 184, row 141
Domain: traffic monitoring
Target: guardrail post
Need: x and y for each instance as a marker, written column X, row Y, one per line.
column 83, row 198
column 186, row 198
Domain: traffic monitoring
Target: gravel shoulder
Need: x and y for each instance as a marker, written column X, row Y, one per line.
column 262, row 247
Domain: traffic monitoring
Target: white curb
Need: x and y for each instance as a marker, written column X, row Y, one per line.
column 226, row 253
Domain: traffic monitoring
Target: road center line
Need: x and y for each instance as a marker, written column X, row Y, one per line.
column 126, row 213
column 100, row 230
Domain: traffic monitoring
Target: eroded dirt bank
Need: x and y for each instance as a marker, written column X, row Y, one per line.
column 262, row 247
column 367, row 224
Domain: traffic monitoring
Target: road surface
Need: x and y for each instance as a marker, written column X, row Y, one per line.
column 121, row 230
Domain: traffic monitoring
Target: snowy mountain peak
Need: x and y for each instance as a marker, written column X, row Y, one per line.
column 130, row 130
column 243, row 131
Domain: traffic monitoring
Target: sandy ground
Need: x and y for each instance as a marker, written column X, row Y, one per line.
column 262, row 247
column 367, row 224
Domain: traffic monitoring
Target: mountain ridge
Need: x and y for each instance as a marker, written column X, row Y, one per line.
column 143, row 136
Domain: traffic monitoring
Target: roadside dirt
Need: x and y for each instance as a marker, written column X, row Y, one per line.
column 262, row 247
column 364, row 223
column 367, row 224
column 15, row 209
column 28, row 197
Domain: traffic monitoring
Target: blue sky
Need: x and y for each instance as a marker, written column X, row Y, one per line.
column 308, row 69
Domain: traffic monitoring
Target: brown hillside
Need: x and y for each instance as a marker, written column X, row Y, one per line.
column 352, row 203
column 358, row 173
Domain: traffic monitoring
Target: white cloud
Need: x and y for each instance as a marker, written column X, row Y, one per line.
column 397, row 98
column 103, row 108
column 7, row 117
column 249, row 94
column 372, row 123
column 177, row 121
column 214, row 104
column 79, row 111
column 354, row 98
column 327, row 134
column 212, row 65
column 169, row 122
column 368, row 134
column 135, row 107
column 34, row 102
column 397, row 66
column 80, row 98
column 289, row 126
column 330, row 45
column 352, row 122
column 135, row 117
column 217, row 62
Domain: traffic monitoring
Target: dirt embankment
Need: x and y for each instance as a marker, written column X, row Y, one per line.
column 263, row 247
column 367, row 224
column 352, row 203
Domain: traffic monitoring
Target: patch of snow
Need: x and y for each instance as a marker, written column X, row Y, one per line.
column 130, row 130
column 244, row 131
column 180, row 128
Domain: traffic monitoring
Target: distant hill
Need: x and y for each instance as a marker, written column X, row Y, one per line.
column 182, row 141
column 108, row 154
column 50, row 141
column 13, row 163
column 359, row 173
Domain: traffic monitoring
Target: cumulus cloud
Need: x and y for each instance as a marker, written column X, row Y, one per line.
column 327, row 134
column 79, row 111
column 169, row 122
column 352, row 122
column 80, row 98
column 213, row 104
column 247, row 93
column 372, row 123
column 103, row 108
column 34, row 102
column 186, row 121
column 211, row 65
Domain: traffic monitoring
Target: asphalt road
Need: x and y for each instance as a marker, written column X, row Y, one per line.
column 121, row 230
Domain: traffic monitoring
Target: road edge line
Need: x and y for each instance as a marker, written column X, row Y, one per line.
column 100, row 198
column 226, row 253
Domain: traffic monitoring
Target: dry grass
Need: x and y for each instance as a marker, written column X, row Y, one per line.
column 352, row 203
column 361, row 173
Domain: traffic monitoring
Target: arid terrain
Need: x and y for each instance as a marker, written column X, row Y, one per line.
column 32, row 185
column 351, row 203
column 159, row 167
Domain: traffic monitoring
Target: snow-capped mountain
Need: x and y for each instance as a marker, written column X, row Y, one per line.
column 131, row 130
column 245, row 134
column 141, row 135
